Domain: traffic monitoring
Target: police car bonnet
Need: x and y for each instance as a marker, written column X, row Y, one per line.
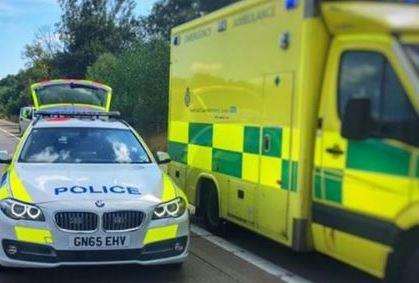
column 57, row 182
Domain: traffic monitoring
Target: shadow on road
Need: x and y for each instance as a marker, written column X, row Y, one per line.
column 104, row 274
column 312, row 266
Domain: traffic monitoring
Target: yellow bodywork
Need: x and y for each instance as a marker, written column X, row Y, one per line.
column 33, row 235
column 160, row 234
column 253, row 109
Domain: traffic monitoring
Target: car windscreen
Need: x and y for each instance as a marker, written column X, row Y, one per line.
column 83, row 145
column 71, row 94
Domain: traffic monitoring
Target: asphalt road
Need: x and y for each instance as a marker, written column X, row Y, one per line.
column 240, row 256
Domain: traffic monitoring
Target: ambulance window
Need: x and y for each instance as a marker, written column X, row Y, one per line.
column 360, row 77
column 395, row 104
column 365, row 74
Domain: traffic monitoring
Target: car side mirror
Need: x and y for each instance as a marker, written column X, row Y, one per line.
column 163, row 157
column 5, row 157
column 356, row 120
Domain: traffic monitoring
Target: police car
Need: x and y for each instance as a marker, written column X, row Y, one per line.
column 83, row 188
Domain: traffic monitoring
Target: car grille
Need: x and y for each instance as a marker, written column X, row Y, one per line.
column 122, row 220
column 77, row 221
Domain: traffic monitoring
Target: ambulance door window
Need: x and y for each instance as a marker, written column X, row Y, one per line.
column 365, row 74
column 360, row 77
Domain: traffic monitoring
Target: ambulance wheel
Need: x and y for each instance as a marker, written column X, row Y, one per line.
column 410, row 273
column 212, row 210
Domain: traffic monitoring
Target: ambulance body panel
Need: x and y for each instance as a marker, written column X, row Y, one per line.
column 258, row 98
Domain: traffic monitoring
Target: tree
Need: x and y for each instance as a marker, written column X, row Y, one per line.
column 40, row 54
column 139, row 78
column 166, row 14
column 207, row 6
column 15, row 93
column 89, row 28
column 103, row 69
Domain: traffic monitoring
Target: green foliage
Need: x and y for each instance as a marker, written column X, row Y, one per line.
column 166, row 14
column 104, row 68
column 140, row 81
column 14, row 91
column 89, row 28
column 207, row 6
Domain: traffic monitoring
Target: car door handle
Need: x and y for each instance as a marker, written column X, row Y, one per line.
column 335, row 150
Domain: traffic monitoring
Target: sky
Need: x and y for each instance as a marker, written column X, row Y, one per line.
column 20, row 20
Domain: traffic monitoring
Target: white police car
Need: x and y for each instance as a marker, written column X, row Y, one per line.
column 83, row 188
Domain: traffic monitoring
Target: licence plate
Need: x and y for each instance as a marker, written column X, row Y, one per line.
column 116, row 241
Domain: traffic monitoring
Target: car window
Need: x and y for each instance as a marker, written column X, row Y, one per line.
column 71, row 93
column 83, row 145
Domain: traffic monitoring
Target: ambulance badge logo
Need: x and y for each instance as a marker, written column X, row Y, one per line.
column 187, row 97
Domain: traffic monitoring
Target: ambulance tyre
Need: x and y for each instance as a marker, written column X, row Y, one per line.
column 211, row 209
column 402, row 262
column 410, row 273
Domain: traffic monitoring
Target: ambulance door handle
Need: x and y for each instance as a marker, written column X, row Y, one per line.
column 335, row 150
column 266, row 143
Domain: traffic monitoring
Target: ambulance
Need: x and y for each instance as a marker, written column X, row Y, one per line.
column 82, row 188
column 299, row 121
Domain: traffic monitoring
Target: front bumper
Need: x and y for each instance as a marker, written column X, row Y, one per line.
column 155, row 242
column 36, row 255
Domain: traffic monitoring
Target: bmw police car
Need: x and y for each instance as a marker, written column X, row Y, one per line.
column 83, row 188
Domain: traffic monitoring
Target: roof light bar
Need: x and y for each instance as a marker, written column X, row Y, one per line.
column 76, row 113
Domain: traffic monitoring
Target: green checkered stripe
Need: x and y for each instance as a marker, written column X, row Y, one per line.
column 230, row 162
column 372, row 155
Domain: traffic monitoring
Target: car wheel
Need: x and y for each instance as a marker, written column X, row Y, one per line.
column 211, row 211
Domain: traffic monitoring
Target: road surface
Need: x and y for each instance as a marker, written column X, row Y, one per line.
column 240, row 256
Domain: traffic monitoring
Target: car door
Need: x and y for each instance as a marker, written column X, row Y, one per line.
column 362, row 184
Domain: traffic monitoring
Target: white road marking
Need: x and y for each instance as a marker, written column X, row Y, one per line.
column 10, row 134
column 265, row 265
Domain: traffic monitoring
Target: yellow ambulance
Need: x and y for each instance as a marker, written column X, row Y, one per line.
column 299, row 120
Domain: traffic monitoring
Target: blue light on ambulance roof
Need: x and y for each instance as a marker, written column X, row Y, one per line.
column 291, row 4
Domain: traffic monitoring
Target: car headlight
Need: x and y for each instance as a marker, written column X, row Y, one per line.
column 21, row 211
column 174, row 208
